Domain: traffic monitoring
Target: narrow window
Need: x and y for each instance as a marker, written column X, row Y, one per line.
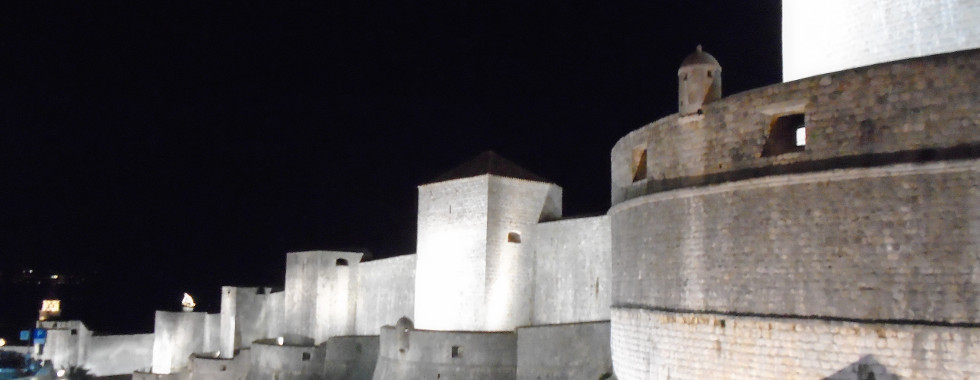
column 457, row 351
column 306, row 356
column 341, row 262
column 74, row 332
column 638, row 165
column 786, row 134
column 513, row 237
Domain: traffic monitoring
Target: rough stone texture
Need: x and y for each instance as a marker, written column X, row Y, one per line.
column 245, row 316
column 211, row 368
column 316, row 276
column 800, row 245
column 566, row 351
column 177, row 335
column 469, row 276
column 571, row 270
column 119, row 354
column 831, row 35
column 269, row 360
column 660, row 345
column 351, row 357
column 66, row 343
column 429, row 355
column 852, row 118
column 386, row 292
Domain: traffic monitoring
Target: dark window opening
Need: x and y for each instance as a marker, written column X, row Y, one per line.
column 74, row 332
column 223, row 368
column 457, row 351
column 638, row 165
column 709, row 74
column 787, row 134
column 306, row 356
column 341, row 262
column 513, row 237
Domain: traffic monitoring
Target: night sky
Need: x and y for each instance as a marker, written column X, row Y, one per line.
column 157, row 148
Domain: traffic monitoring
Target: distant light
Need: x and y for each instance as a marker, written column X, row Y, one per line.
column 188, row 302
column 3, row 342
column 280, row 340
column 54, row 277
column 801, row 136
column 61, row 373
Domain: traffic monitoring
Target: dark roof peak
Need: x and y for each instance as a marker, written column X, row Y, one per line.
column 489, row 162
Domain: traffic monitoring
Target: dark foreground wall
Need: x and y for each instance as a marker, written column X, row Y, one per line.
column 566, row 351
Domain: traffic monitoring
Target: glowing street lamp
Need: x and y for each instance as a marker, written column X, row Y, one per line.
column 188, row 302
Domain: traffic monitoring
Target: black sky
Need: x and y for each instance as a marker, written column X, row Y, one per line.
column 178, row 148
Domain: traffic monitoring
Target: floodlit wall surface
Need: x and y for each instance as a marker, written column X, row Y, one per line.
column 386, row 292
column 653, row 345
column 832, row 35
column 119, row 354
column 66, row 343
column 860, row 248
column 571, row 270
column 317, row 276
column 210, row 368
column 176, row 335
column 452, row 242
column 896, row 112
column 566, row 351
column 245, row 315
column 287, row 362
column 514, row 206
column 351, row 357
column 429, row 355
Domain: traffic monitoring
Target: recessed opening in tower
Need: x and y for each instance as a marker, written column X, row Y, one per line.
column 638, row 165
column 306, row 356
column 341, row 262
column 513, row 237
column 457, row 351
column 787, row 134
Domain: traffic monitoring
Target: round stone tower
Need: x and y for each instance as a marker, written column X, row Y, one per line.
column 699, row 80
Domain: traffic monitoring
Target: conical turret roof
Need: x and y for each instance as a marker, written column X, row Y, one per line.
column 489, row 162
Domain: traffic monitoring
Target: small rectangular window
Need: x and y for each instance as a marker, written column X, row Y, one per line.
column 513, row 237
column 306, row 356
column 787, row 134
column 457, row 351
column 638, row 165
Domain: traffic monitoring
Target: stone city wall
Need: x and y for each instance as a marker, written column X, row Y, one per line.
column 452, row 235
column 328, row 279
column 446, row 355
column 351, row 357
column 831, row 35
column 119, row 354
column 245, row 317
column 177, row 335
column 660, row 345
column 571, row 270
column 268, row 360
column 386, row 292
column 211, row 368
column 515, row 206
column 803, row 245
column 927, row 108
column 566, row 351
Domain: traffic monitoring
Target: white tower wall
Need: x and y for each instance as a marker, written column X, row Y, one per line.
column 832, row 35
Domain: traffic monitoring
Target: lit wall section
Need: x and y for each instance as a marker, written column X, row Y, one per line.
column 831, row 35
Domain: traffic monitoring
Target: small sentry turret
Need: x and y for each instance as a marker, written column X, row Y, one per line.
column 699, row 81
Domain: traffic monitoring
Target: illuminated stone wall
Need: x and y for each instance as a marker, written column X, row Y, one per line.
column 119, row 354
column 571, row 270
column 287, row 362
column 177, row 335
column 350, row 357
column 66, row 343
column 832, row 35
column 246, row 313
column 565, row 351
column 656, row 345
column 430, row 355
column 203, row 367
column 514, row 207
column 386, row 292
column 452, row 240
column 875, row 221
column 320, row 294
